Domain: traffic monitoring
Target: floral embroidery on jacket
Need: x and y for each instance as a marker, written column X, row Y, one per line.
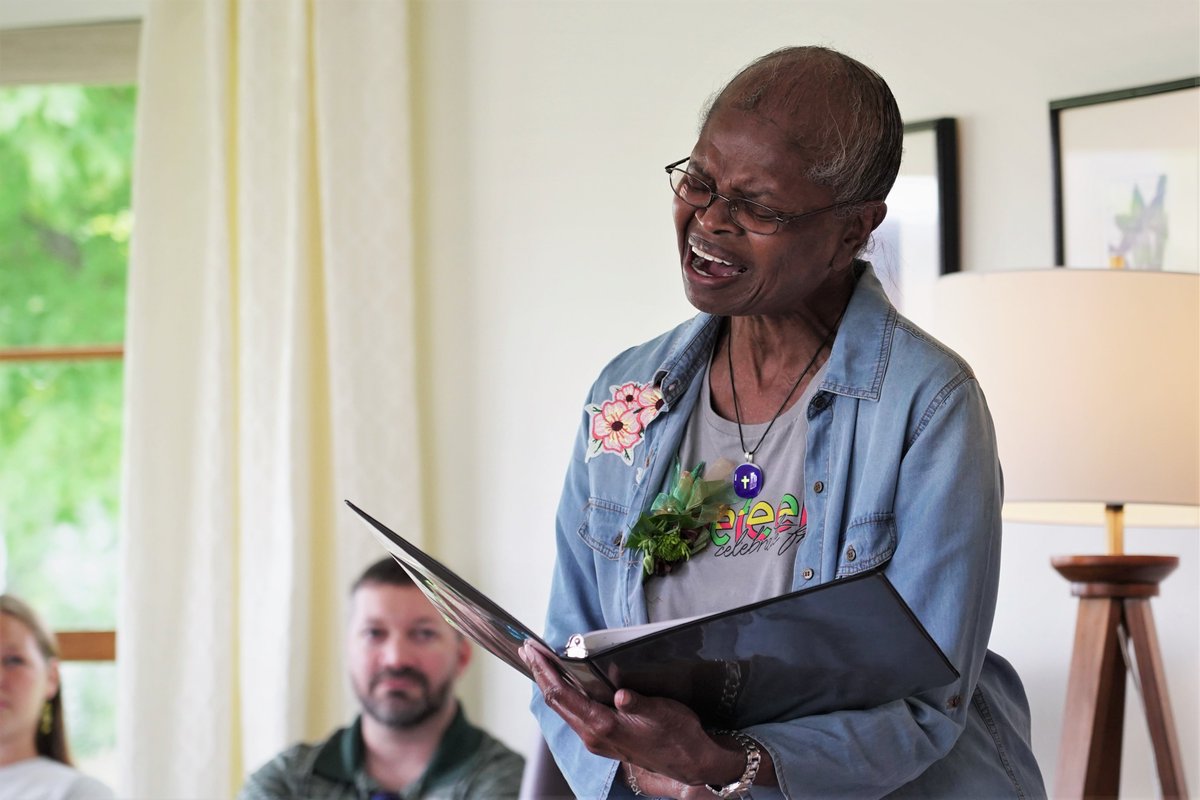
column 618, row 424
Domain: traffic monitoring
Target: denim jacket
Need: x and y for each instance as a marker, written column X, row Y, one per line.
column 902, row 473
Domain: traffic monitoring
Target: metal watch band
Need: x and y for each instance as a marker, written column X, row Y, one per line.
column 742, row 785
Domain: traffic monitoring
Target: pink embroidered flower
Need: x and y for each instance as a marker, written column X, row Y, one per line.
column 628, row 393
column 616, row 426
column 650, row 401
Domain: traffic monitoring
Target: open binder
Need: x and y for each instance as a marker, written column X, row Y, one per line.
column 849, row 644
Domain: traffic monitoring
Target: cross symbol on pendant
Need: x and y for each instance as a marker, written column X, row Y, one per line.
column 745, row 481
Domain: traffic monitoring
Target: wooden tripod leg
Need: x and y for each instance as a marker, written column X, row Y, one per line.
column 1139, row 621
column 1089, row 759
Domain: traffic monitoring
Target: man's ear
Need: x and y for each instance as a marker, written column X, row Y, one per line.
column 464, row 653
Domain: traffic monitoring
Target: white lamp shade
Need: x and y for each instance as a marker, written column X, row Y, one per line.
column 1093, row 380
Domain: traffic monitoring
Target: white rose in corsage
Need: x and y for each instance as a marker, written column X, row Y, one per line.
column 680, row 520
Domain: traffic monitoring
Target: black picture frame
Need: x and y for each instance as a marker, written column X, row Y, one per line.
column 920, row 239
column 1085, row 117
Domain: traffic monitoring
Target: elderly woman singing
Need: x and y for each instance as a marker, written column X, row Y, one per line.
column 860, row 443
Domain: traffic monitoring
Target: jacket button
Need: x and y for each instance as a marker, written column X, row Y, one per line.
column 850, row 554
column 820, row 401
column 617, row 539
column 819, row 487
column 807, row 574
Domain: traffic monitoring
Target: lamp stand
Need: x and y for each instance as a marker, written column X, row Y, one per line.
column 1114, row 594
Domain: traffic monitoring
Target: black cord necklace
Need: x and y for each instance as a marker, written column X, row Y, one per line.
column 748, row 478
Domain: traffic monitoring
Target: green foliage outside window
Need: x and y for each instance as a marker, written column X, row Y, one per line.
column 65, row 223
column 65, row 165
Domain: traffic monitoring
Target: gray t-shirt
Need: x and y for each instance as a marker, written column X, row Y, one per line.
column 753, row 547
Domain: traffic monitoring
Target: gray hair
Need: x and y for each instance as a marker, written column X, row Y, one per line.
column 858, row 140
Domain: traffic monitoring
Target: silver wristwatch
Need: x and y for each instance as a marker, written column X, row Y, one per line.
column 741, row 786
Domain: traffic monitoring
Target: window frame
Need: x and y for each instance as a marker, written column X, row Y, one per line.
column 74, row 645
column 95, row 53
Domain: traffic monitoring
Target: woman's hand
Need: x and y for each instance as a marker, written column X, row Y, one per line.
column 661, row 736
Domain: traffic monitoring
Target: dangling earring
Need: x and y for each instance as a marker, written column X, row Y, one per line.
column 47, row 718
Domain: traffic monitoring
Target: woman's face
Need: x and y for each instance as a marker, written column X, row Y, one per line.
column 27, row 681
column 728, row 271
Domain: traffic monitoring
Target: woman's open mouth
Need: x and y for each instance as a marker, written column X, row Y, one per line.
column 711, row 265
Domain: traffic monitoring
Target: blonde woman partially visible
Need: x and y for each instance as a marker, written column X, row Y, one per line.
column 34, row 761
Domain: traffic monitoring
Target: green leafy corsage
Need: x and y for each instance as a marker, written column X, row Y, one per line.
column 679, row 522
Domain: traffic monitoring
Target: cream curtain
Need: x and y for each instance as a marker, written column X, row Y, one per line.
column 269, row 374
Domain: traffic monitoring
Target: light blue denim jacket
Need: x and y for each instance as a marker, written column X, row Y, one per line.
column 901, row 471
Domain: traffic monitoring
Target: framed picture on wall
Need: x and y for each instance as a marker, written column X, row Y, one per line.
column 919, row 239
column 1127, row 178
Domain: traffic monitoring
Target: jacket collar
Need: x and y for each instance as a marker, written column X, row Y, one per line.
column 343, row 756
column 859, row 358
column 689, row 356
column 856, row 365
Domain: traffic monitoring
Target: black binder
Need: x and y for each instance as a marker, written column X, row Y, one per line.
column 849, row 644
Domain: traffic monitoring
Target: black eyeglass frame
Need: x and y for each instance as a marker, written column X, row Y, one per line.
column 778, row 217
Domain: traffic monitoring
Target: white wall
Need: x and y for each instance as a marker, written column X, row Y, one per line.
column 546, row 240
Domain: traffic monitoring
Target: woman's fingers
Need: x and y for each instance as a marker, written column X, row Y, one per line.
column 661, row 735
column 594, row 723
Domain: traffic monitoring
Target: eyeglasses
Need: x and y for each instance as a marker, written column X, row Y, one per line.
column 748, row 215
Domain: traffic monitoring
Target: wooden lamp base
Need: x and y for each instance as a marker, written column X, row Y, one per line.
column 1114, row 594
